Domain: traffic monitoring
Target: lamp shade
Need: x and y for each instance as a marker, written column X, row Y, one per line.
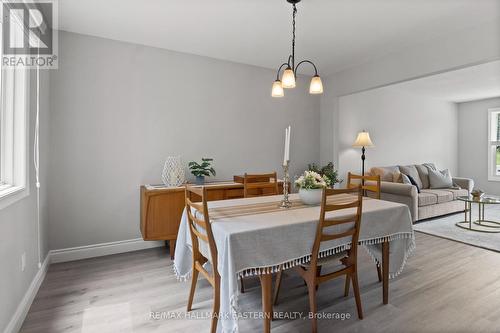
column 288, row 78
column 316, row 86
column 363, row 140
column 277, row 90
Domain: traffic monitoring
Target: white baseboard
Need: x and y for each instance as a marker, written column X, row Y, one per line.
column 103, row 249
column 22, row 309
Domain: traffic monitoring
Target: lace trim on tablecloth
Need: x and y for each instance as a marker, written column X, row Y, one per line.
column 255, row 271
column 182, row 278
column 408, row 251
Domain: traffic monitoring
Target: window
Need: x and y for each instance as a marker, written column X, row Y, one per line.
column 14, row 91
column 494, row 144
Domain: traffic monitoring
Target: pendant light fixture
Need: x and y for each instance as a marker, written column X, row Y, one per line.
column 288, row 79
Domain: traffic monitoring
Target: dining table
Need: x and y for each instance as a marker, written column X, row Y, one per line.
column 255, row 237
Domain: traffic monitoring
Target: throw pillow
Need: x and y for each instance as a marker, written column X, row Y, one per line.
column 396, row 177
column 410, row 170
column 430, row 166
column 413, row 182
column 405, row 179
column 440, row 179
column 424, row 173
column 385, row 173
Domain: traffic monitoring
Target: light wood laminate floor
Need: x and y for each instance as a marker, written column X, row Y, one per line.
column 445, row 287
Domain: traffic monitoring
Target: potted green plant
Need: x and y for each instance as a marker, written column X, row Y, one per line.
column 310, row 185
column 328, row 173
column 202, row 170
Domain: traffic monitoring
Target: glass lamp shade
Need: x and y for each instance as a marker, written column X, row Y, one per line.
column 363, row 140
column 288, row 78
column 316, row 86
column 277, row 90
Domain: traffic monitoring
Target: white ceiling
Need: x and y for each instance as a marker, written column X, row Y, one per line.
column 335, row 34
column 462, row 85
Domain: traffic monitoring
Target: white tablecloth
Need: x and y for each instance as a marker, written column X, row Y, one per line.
column 251, row 244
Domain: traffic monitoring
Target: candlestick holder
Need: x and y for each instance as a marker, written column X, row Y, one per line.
column 285, row 203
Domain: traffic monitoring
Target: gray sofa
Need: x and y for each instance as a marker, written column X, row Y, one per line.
column 429, row 202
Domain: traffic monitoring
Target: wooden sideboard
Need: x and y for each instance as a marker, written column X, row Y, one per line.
column 162, row 207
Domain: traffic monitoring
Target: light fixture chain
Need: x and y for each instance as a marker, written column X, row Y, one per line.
column 288, row 80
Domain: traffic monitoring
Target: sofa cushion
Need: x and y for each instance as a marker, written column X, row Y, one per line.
column 426, row 199
column 386, row 173
column 411, row 170
column 442, row 195
column 423, row 172
column 457, row 192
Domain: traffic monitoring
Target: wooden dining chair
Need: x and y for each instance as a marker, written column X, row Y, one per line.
column 255, row 185
column 201, row 235
column 369, row 184
column 346, row 228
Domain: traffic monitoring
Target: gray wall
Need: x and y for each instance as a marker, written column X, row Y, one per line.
column 472, row 46
column 473, row 144
column 119, row 109
column 405, row 129
column 18, row 221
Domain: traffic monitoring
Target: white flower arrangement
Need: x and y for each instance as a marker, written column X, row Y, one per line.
column 311, row 180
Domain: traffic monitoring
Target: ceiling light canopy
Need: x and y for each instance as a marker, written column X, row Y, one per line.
column 289, row 74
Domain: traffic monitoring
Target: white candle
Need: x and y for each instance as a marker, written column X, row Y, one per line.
column 284, row 148
column 288, row 146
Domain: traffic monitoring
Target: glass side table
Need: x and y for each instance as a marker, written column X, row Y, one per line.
column 481, row 225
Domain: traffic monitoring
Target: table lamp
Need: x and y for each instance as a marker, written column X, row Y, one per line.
column 362, row 141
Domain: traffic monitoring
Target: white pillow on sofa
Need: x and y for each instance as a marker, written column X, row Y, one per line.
column 405, row 179
column 440, row 179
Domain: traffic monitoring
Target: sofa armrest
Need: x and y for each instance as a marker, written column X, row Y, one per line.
column 401, row 193
column 398, row 189
column 465, row 183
